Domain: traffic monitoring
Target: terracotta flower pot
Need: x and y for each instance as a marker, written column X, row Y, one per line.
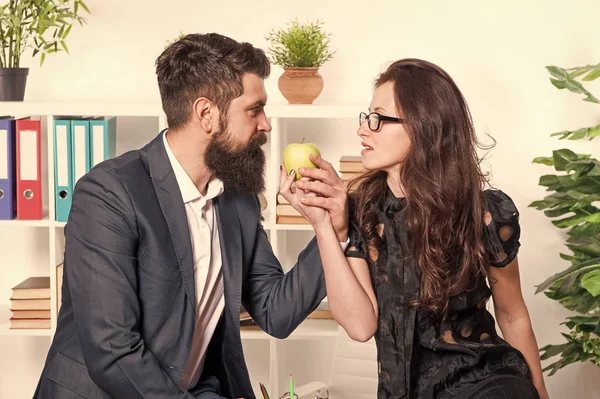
column 300, row 85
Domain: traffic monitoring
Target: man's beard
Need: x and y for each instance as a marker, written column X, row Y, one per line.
column 241, row 169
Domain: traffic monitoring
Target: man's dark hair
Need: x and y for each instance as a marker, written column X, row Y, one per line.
column 205, row 65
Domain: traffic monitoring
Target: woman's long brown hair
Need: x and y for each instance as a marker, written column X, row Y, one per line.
column 441, row 179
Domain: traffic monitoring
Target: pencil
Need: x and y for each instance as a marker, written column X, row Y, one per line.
column 291, row 387
column 264, row 392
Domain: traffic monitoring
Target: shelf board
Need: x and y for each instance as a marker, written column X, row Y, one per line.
column 315, row 111
column 81, row 108
column 5, row 330
column 309, row 329
column 44, row 222
column 267, row 225
column 293, row 227
column 25, row 108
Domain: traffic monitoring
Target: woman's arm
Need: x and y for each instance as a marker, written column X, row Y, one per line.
column 350, row 293
column 349, row 290
column 513, row 318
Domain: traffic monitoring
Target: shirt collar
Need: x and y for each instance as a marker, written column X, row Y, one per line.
column 392, row 204
column 189, row 191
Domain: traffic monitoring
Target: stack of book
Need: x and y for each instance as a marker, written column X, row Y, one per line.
column 286, row 214
column 263, row 205
column 350, row 167
column 30, row 304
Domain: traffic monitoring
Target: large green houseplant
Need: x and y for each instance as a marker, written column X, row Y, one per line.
column 41, row 26
column 573, row 205
column 301, row 49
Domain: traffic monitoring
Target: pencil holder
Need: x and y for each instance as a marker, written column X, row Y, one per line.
column 286, row 395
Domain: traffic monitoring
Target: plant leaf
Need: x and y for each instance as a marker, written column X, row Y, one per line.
column 594, row 74
column 552, row 350
column 589, row 132
column 548, row 180
column 585, row 230
column 568, row 82
column 67, row 31
column 556, row 212
column 576, row 194
column 560, row 84
column 578, row 320
column 85, row 7
column 549, row 161
column 562, row 158
column 579, row 268
column 591, row 282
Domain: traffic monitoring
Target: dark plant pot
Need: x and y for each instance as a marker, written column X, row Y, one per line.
column 12, row 83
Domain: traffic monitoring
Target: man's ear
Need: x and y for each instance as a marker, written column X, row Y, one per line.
column 207, row 114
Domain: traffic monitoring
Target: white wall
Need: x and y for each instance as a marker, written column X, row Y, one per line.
column 496, row 52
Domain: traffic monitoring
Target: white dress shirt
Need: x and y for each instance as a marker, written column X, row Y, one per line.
column 208, row 276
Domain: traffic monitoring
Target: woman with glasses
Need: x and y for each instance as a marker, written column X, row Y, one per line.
column 429, row 245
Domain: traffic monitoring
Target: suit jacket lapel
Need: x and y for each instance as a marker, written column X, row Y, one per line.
column 173, row 209
column 230, row 237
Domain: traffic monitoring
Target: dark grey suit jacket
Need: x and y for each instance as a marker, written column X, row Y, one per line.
column 128, row 306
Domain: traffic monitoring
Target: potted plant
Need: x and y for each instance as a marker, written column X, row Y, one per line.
column 300, row 50
column 180, row 36
column 575, row 194
column 42, row 25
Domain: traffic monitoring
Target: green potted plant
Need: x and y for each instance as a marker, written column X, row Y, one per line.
column 40, row 25
column 300, row 49
column 573, row 205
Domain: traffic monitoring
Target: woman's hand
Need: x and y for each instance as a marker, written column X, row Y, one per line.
column 319, row 187
column 315, row 215
column 332, row 193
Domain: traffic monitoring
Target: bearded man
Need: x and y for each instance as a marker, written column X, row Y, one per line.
column 164, row 244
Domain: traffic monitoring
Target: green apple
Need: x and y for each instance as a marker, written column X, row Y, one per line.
column 295, row 156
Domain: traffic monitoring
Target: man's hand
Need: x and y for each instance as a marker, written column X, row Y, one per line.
column 332, row 193
column 315, row 215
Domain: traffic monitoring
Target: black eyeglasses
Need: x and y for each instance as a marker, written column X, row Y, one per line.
column 375, row 119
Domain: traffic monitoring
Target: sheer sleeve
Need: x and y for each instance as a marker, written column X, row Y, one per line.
column 501, row 228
